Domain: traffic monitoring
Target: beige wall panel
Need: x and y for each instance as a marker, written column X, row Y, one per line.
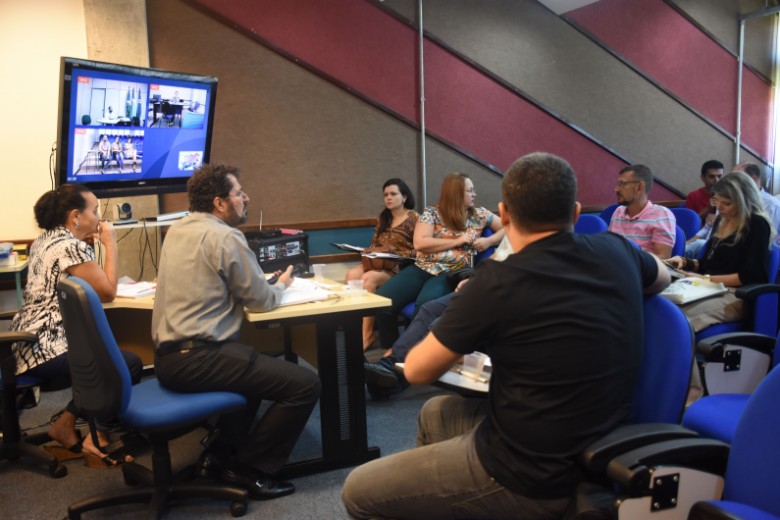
column 308, row 150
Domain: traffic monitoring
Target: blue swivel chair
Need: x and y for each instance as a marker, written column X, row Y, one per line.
column 587, row 224
column 688, row 220
column 606, row 214
column 101, row 388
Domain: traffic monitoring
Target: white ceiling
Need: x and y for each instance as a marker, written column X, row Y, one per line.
column 564, row 6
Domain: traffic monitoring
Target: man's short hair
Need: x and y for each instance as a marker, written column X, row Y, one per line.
column 209, row 181
column 642, row 173
column 712, row 164
column 539, row 192
column 754, row 171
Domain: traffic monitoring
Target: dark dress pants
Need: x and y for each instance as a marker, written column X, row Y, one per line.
column 238, row 368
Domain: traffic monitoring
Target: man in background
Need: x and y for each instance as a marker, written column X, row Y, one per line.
column 700, row 200
column 771, row 204
column 650, row 226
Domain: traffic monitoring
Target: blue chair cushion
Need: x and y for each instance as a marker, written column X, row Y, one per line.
column 743, row 511
column 155, row 408
column 716, row 416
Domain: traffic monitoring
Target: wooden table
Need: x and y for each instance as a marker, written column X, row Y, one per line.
column 338, row 356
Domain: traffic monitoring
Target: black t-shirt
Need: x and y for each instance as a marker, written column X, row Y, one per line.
column 562, row 320
column 748, row 258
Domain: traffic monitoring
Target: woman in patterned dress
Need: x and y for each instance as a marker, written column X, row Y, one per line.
column 445, row 238
column 393, row 234
column 69, row 218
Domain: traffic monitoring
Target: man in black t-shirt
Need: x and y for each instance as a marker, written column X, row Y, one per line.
column 562, row 320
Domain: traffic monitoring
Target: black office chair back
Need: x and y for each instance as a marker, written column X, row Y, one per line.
column 99, row 376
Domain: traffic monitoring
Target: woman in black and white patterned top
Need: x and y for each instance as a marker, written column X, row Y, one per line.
column 69, row 218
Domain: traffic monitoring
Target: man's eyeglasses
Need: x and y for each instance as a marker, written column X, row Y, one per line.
column 623, row 184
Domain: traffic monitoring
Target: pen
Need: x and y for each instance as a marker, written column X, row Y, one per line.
column 471, row 375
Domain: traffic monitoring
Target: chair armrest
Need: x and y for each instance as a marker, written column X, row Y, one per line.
column 633, row 470
column 8, row 337
column 7, row 315
column 751, row 291
column 710, row 511
column 598, row 454
column 712, row 347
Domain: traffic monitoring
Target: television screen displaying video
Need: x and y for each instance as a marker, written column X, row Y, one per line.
column 130, row 130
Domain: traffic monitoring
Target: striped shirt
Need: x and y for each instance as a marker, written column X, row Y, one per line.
column 654, row 224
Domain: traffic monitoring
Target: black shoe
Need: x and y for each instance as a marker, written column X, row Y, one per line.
column 259, row 485
column 378, row 374
column 378, row 393
column 209, row 466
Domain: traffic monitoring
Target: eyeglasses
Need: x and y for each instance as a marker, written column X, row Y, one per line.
column 623, row 184
column 241, row 194
column 471, row 190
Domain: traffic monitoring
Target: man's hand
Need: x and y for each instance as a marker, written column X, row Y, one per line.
column 286, row 277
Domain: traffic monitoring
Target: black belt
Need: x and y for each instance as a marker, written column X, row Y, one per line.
column 170, row 347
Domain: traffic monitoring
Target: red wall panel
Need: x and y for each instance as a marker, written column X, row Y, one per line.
column 373, row 53
column 670, row 49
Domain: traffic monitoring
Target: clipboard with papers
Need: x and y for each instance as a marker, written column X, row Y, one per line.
column 687, row 290
column 303, row 291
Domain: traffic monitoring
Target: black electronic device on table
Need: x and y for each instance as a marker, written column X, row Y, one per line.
column 280, row 250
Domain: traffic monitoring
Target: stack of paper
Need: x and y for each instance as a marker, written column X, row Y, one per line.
column 303, row 291
column 136, row 289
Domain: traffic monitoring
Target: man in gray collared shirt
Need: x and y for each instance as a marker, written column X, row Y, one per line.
column 207, row 276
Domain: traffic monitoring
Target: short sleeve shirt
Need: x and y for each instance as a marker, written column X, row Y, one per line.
column 51, row 255
column 653, row 225
column 451, row 259
column 699, row 199
column 564, row 329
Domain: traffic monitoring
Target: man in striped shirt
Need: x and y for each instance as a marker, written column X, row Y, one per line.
column 650, row 226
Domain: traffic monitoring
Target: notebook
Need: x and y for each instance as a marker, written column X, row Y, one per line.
column 687, row 290
column 303, row 291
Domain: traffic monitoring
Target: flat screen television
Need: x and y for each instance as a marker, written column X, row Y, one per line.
column 126, row 130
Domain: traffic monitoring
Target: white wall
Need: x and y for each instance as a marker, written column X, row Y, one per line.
column 33, row 37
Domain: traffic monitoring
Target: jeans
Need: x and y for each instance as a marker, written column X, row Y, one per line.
column 420, row 325
column 442, row 478
column 411, row 284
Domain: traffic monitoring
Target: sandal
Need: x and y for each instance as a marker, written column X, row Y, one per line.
column 61, row 453
column 115, row 454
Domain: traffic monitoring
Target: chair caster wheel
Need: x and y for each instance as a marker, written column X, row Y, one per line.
column 57, row 470
column 237, row 509
column 128, row 478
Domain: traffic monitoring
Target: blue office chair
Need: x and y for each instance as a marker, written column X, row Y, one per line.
column 678, row 249
column 14, row 447
column 684, row 477
column 587, row 224
column 659, row 400
column 752, row 487
column 688, row 220
column 101, row 388
column 606, row 214
column 734, row 367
